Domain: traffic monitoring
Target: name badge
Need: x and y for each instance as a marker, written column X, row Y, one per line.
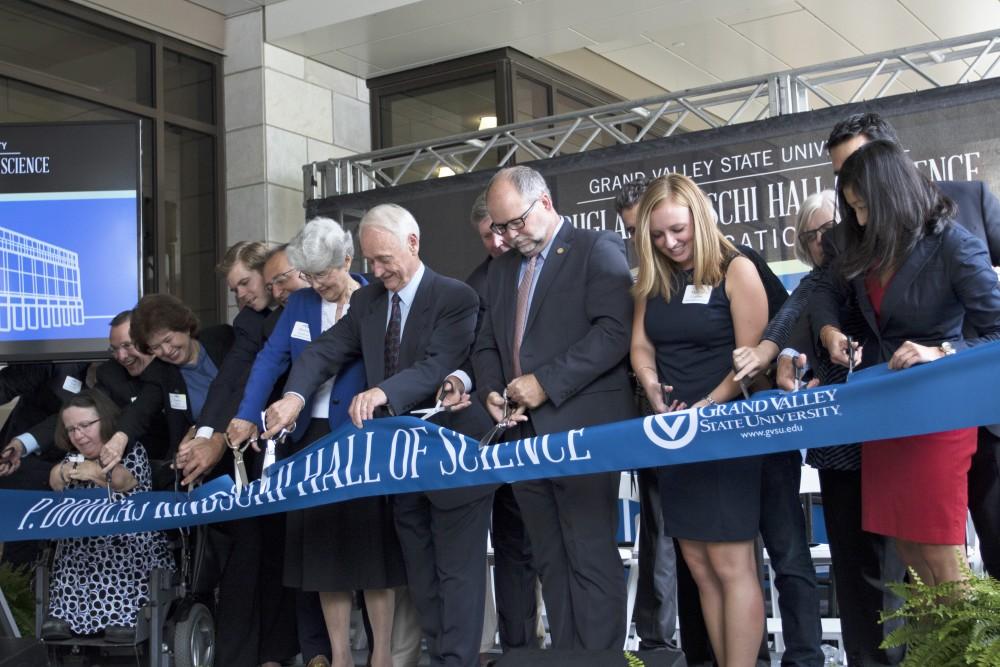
column 72, row 385
column 694, row 294
column 179, row 401
column 301, row 331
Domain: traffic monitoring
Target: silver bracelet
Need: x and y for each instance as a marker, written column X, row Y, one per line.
column 708, row 399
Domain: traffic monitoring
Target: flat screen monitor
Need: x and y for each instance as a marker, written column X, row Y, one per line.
column 70, row 256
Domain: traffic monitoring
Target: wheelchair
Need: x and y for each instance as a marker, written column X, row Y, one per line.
column 175, row 628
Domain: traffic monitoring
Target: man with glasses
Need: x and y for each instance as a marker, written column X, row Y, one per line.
column 553, row 342
column 280, row 277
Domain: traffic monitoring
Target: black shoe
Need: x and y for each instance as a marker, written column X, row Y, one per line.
column 119, row 634
column 55, row 629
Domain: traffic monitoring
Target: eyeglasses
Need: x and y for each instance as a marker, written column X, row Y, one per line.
column 500, row 228
column 70, row 430
column 126, row 347
column 812, row 234
column 280, row 279
column 314, row 277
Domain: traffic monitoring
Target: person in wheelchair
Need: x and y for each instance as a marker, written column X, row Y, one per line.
column 100, row 583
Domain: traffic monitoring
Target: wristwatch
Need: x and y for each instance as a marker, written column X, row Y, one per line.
column 947, row 349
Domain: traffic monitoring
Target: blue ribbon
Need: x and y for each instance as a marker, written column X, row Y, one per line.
column 403, row 454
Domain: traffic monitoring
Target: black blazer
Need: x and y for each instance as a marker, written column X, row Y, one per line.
column 577, row 332
column 947, row 280
column 227, row 389
column 167, row 377
column 439, row 332
column 142, row 418
column 42, row 389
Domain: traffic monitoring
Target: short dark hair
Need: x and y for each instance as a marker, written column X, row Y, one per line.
column 158, row 312
column 121, row 318
column 105, row 408
column 479, row 211
column 902, row 206
column 631, row 193
column 870, row 124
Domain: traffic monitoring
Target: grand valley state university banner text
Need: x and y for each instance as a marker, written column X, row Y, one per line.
column 402, row 454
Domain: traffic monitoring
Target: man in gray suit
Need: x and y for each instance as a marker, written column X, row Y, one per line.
column 554, row 335
column 412, row 328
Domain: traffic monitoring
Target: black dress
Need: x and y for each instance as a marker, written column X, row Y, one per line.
column 715, row 501
column 345, row 546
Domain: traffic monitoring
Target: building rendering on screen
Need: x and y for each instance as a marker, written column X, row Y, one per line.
column 39, row 284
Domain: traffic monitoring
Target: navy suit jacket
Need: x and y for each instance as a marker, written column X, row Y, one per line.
column 285, row 344
column 438, row 334
column 947, row 280
column 577, row 332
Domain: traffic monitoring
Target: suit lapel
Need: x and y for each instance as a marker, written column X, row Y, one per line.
column 554, row 261
column 316, row 320
column 373, row 340
column 507, row 298
column 865, row 302
column 416, row 319
column 912, row 267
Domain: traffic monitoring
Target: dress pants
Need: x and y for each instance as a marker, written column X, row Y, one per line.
column 984, row 499
column 783, row 529
column 445, row 555
column 405, row 630
column 862, row 564
column 655, row 611
column 237, row 608
column 571, row 523
column 513, row 573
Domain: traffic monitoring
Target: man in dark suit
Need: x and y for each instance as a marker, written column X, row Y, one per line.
column 412, row 330
column 513, row 573
column 554, row 335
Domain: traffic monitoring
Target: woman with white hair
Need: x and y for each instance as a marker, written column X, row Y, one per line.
column 343, row 547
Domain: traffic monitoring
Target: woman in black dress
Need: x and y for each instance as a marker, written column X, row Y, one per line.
column 696, row 299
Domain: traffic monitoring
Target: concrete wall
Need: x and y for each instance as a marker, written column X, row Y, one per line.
column 282, row 111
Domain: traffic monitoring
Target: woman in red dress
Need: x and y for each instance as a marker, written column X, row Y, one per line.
column 917, row 278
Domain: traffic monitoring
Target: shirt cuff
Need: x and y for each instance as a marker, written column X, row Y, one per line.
column 789, row 352
column 204, row 432
column 466, row 380
column 29, row 442
column 297, row 395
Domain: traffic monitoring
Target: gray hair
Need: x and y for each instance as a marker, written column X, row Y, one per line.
column 282, row 247
column 320, row 245
column 528, row 182
column 479, row 211
column 391, row 218
column 812, row 203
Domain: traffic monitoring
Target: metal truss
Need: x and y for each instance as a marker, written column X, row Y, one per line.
column 932, row 65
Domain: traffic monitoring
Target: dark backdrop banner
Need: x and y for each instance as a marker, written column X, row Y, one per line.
column 756, row 174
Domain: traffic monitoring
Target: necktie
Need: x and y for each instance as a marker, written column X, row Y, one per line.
column 392, row 338
column 521, row 313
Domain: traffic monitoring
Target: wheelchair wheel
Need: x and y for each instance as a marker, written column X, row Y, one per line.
column 194, row 638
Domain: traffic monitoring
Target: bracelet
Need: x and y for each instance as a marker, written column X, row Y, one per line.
column 708, row 399
column 789, row 352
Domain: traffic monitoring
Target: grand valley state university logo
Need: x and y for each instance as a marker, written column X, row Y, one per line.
column 671, row 430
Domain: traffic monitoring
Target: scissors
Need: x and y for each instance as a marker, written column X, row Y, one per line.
column 270, row 444
column 500, row 426
column 426, row 413
column 850, row 358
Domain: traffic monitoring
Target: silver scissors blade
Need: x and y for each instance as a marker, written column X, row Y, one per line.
column 850, row 358
column 439, row 406
column 500, row 426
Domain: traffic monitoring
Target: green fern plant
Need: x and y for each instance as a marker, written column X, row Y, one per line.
column 16, row 585
column 955, row 624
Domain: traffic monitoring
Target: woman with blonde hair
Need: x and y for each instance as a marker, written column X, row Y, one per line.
column 696, row 299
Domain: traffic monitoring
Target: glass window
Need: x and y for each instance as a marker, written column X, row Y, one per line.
column 531, row 99
column 188, row 86
column 438, row 111
column 69, row 49
column 188, row 189
column 24, row 103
